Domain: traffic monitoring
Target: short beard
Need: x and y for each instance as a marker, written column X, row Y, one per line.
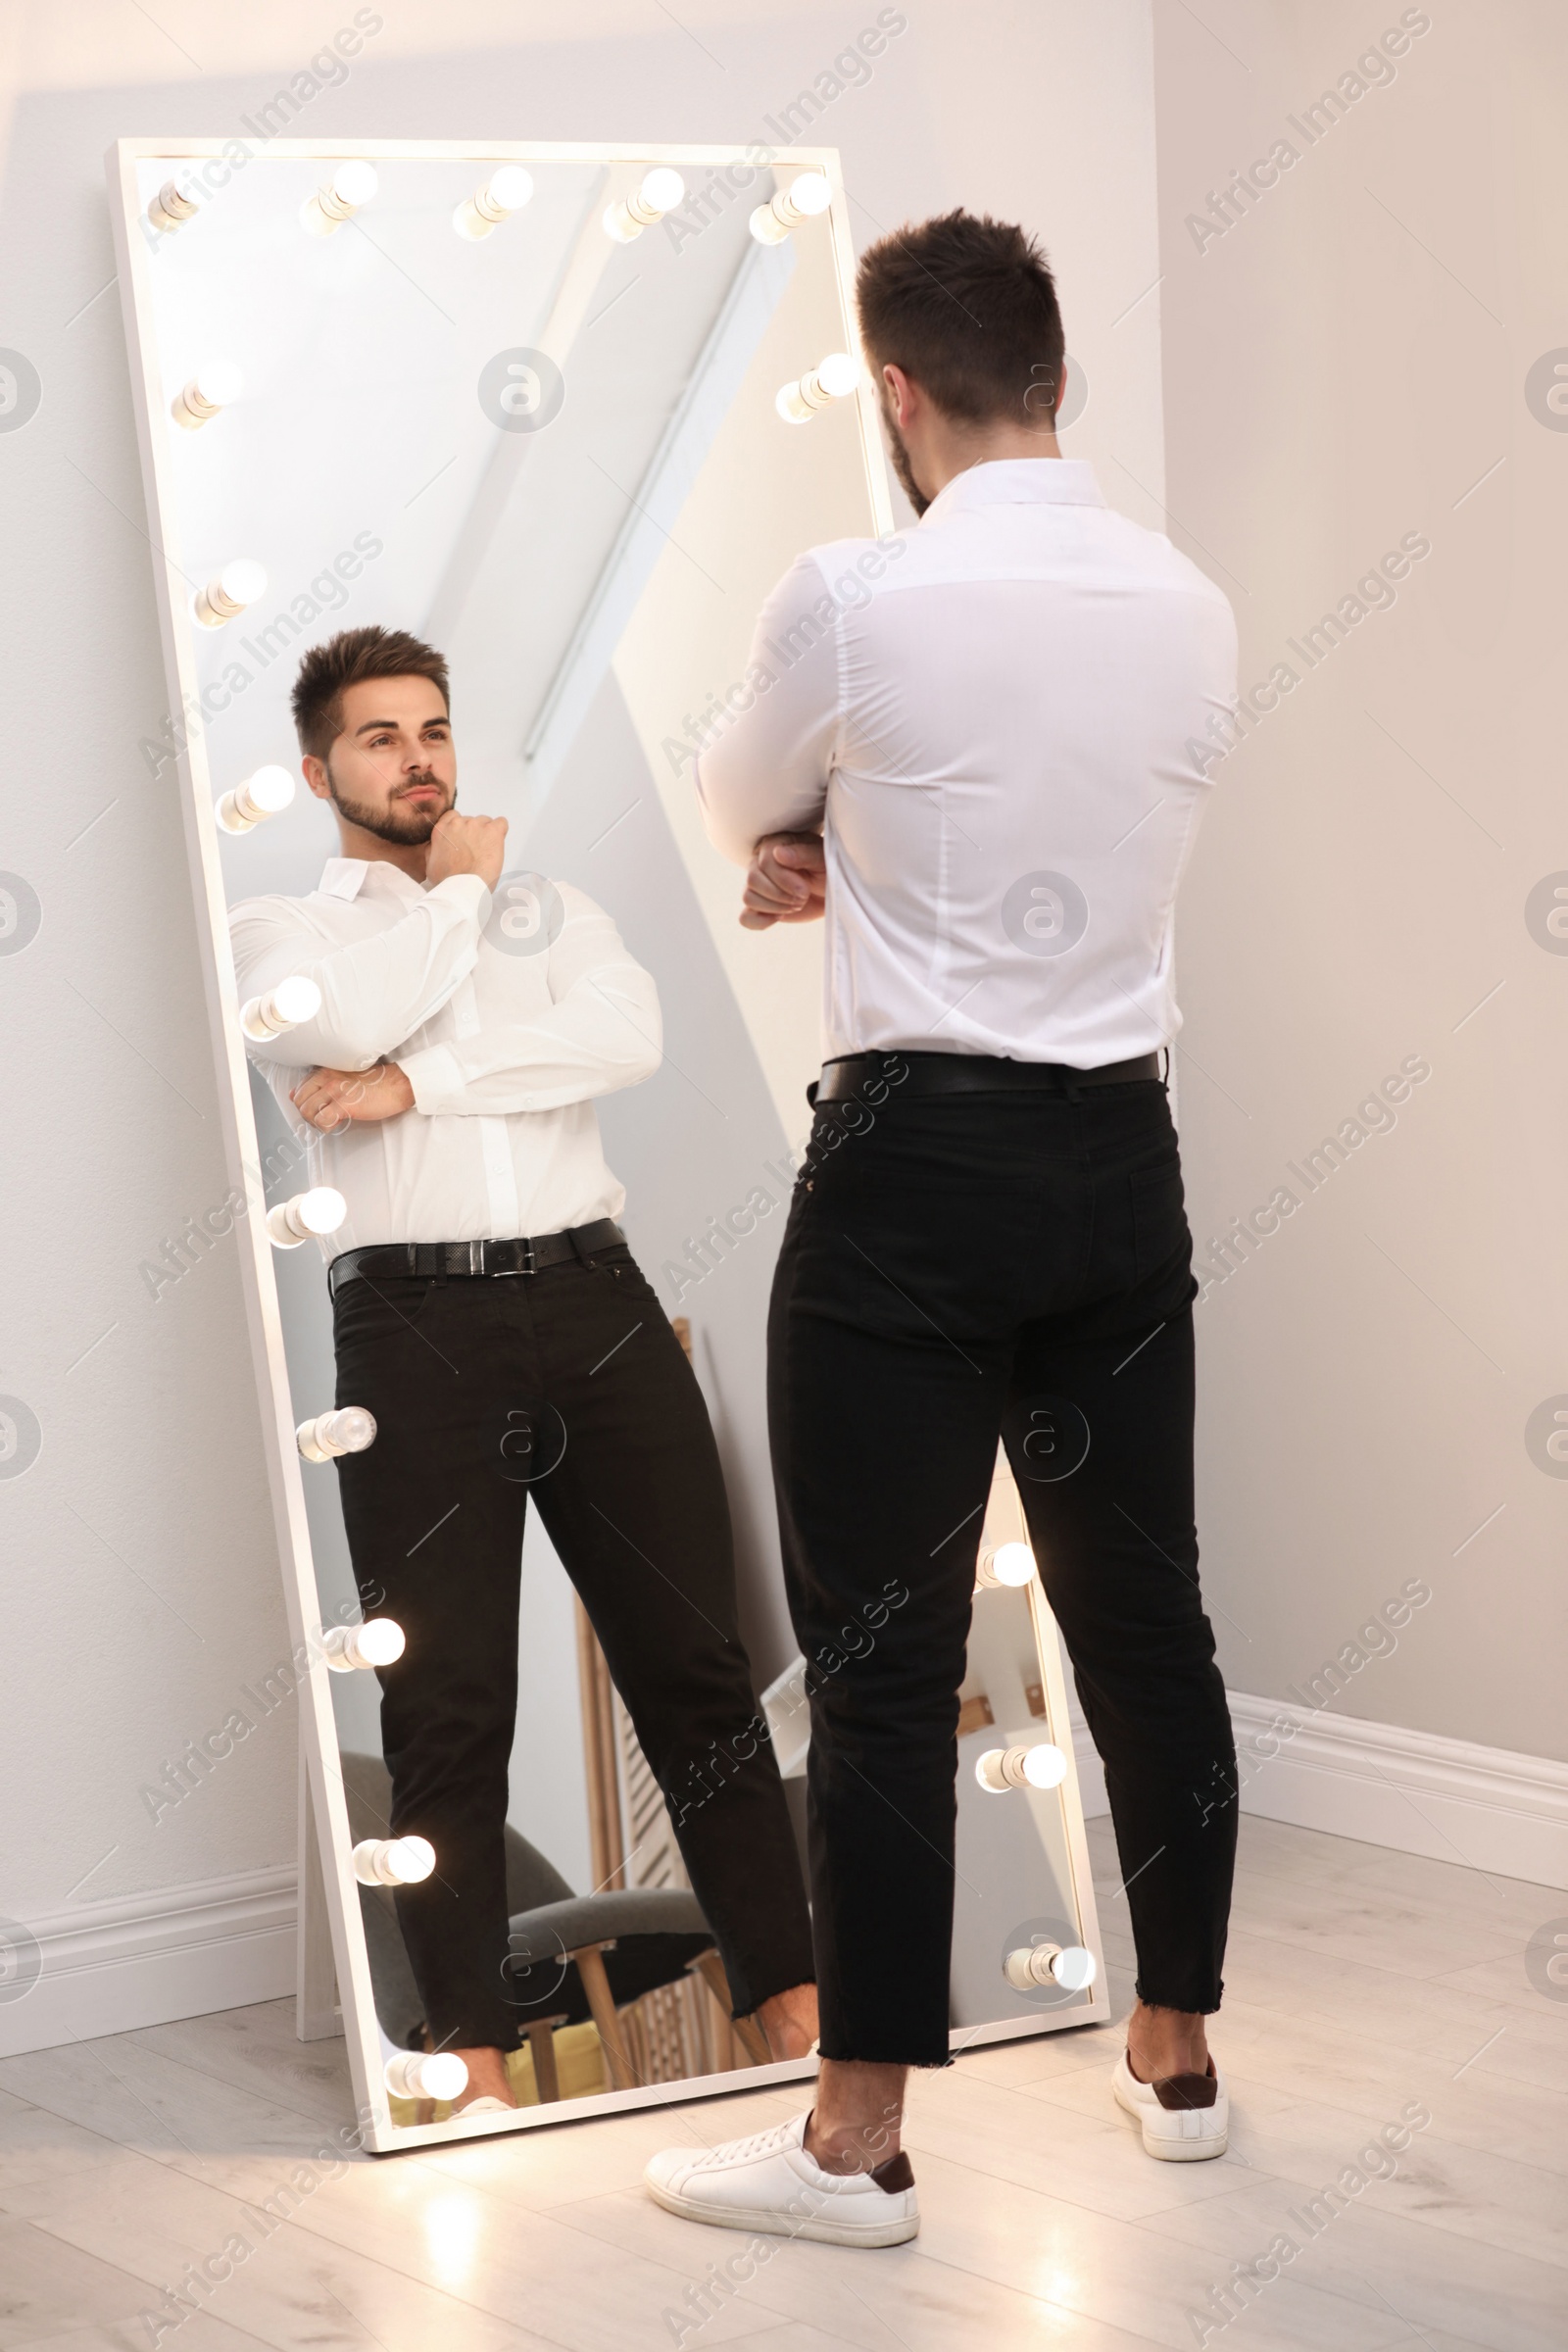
column 900, row 461
column 407, row 827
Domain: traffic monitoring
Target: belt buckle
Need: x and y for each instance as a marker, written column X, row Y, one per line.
column 507, row 1273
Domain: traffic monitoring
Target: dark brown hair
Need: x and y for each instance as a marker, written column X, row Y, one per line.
column 967, row 307
column 348, row 660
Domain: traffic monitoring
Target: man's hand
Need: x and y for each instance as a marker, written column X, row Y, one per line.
column 331, row 1099
column 466, row 845
column 785, row 881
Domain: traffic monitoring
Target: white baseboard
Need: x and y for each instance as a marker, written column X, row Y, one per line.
column 145, row 1959
column 1417, row 1792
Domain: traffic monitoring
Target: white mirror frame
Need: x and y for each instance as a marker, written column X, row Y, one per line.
column 376, row 2130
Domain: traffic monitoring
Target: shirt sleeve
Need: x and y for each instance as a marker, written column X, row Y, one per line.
column 375, row 992
column 768, row 771
column 601, row 1031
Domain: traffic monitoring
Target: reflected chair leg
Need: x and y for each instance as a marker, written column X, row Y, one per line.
column 546, row 2080
column 747, row 2031
column 601, row 2002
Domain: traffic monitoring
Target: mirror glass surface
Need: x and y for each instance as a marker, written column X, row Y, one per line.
column 558, row 457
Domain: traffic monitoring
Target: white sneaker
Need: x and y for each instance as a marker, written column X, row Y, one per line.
column 1185, row 2118
column 770, row 2182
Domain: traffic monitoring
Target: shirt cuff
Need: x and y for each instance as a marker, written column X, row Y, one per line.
column 434, row 1073
column 471, row 892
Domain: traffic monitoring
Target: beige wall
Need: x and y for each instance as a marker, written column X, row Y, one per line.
column 1347, row 363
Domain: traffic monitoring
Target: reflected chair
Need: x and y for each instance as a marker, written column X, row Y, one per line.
column 571, row 1956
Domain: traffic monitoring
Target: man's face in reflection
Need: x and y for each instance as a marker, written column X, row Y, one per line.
column 392, row 769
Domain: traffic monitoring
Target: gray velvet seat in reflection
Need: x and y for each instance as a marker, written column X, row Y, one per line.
column 560, row 1970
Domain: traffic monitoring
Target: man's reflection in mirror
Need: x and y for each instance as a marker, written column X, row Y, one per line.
column 488, row 1312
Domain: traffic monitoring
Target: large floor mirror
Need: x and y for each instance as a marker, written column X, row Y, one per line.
column 568, row 413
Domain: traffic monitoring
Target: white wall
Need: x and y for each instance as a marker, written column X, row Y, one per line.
column 139, row 1595
column 1344, row 365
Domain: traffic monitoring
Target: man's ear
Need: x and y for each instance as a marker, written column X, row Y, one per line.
column 313, row 771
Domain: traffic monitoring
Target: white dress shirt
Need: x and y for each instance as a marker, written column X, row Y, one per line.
column 504, row 1051
column 1002, row 720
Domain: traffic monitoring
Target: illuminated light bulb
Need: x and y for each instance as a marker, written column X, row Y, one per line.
column 320, row 1211
column 1041, row 1766
column 237, row 585
column 1007, row 1564
column 503, row 193
column 173, row 204
column 662, row 191
column 260, row 797
column 213, row 386
column 339, row 198
column 1070, row 1966
column 393, row 1861
column 379, row 1642
column 284, row 1007
column 426, row 2075
column 348, row 1430
column 787, row 208
column 834, row 379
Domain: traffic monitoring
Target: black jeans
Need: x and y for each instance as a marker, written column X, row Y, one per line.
column 955, row 1268
column 571, row 1385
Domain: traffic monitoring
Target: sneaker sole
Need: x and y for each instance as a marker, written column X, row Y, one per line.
column 1174, row 2151
column 775, row 2225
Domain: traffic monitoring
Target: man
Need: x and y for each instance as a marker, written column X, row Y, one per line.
column 467, row 1024
column 1000, row 731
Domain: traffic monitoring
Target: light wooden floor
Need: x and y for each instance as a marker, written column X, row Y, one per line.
column 1358, row 1981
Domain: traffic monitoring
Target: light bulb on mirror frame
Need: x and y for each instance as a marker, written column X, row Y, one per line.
column 214, row 385
column 261, row 795
column 347, row 1429
column 806, row 195
column 1005, row 1564
column 662, row 191
column 1071, row 1966
column 306, row 1217
column 393, row 1861
column 349, row 1648
column 284, row 1008
column 831, row 380
column 338, row 199
column 507, row 190
column 426, row 2075
column 223, row 599
column 1041, row 1765
column 173, row 205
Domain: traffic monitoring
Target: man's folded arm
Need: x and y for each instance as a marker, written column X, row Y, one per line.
column 602, row 1032
column 375, row 992
column 768, row 771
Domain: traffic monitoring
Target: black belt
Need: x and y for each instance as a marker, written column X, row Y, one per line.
column 968, row 1074
column 439, row 1260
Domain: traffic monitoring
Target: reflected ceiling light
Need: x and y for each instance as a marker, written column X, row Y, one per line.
column 662, row 191
column 260, row 797
column 237, row 585
column 213, row 385
column 833, row 379
column 174, row 203
column 393, row 1861
column 787, row 208
column 426, row 2075
column 1007, row 1564
column 348, row 1430
column 495, row 200
column 284, row 1007
column 379, row 1642
column 321, row 1211
column 339, row 198
column 1039, row 1767
column 1071, row 1966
